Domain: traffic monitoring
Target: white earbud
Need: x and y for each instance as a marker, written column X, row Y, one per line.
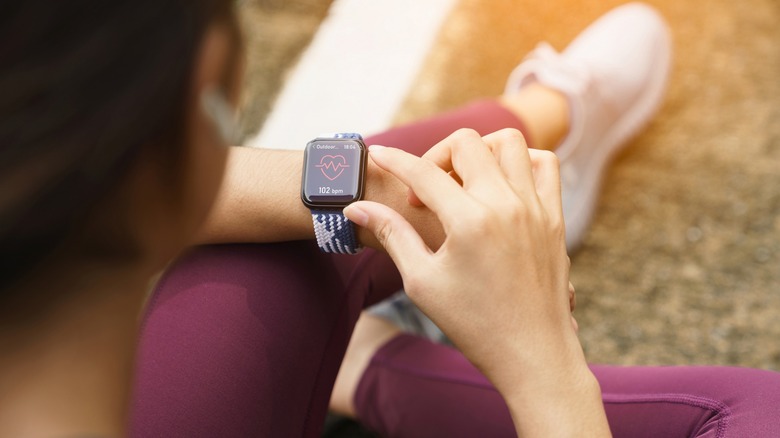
column 219, row 111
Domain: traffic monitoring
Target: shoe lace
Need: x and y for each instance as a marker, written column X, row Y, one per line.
column 550, row 66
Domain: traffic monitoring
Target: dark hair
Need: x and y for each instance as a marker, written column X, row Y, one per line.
column 85, row 85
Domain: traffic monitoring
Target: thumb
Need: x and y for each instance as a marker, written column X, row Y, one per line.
column 394, row 232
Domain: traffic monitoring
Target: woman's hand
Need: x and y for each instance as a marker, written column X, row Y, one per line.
column 499, row 284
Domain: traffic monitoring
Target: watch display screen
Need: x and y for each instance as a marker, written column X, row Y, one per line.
column 332, row 172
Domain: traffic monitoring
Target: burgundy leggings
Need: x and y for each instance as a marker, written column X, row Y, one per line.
column 246, row 340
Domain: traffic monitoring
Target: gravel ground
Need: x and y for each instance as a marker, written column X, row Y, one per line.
column 682, row 263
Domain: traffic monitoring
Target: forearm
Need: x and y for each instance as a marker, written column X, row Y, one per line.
column 260, row 201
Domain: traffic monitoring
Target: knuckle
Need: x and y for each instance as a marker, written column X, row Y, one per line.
column 557, row 225
column 519, row 212
column 511, row 135
column 516, row 212
column 465, row 133
column 383, row 232
column 424, row 167
column 480, row 216
column 553, row 227
column 548, row 158
column 517, row 206
column 478, row 222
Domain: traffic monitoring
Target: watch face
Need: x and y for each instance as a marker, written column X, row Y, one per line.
column 332, row 172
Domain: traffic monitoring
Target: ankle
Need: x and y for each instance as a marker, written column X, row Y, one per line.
column 544, row 111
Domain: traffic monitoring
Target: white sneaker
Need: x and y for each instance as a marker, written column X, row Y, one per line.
column 614, row 74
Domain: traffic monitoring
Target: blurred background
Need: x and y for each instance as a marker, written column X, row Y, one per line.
column 682, row 262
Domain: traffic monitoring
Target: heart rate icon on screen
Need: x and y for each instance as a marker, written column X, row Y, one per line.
column 332, row 166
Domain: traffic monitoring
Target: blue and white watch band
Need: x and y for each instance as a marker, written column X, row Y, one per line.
column 350, row 135
column 335, row 233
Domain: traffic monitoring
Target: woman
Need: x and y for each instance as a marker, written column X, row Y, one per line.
column 114, row 162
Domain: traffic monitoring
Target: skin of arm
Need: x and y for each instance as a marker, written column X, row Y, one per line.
column 498, row 284
column 260, row 201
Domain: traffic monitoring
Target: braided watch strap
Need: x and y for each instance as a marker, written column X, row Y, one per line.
column 335, row 233
column 349, row 135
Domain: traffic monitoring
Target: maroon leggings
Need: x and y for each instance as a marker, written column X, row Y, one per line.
column 246, row 340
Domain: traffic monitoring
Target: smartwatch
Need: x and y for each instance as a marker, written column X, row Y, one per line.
column 334, row 170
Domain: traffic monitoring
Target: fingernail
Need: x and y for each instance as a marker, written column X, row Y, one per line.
column 356, row 215
column 375, row 148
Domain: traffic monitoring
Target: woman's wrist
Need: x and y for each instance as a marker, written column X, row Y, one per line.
column 557, row 395
column 553, row 404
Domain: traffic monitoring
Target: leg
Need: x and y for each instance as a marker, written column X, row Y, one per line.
column 690, row 401
column 539, row 112
column 413, row 387
column 237, row 342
